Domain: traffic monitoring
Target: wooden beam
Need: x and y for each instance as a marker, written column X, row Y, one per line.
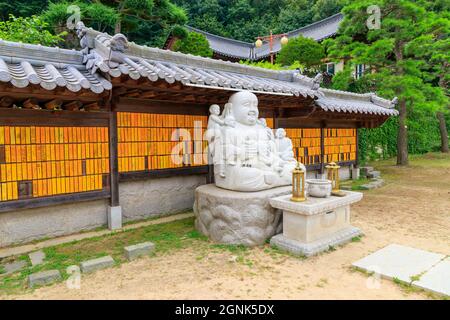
column 6, row 102
column 163, row 173
column 160, row 106
column 6, row 206
column 27, row 117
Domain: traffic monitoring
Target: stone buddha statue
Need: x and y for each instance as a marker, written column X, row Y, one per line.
column 244, row 153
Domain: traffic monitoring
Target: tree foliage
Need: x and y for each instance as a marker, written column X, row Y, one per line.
column 387, row 51
column 195, row 43
column 304, row 50
column 29, row 30
column 143, row 21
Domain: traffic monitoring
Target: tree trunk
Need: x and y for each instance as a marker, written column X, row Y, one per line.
column 402, row 137
column 444, row 132
column 118, row 27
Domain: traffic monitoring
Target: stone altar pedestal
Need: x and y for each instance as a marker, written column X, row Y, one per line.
column 313, row 226
column 233, row 217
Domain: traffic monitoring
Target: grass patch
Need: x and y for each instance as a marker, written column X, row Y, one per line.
column 356, row 239
column 356, row 185
column 167, row 237
column 428, row 160
column 2, row 270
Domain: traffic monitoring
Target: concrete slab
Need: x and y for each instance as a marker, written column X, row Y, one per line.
column 97, row 264
column 37, row 257
column 43, row 278
column 437, row 279
column 135, row 251
column 14, row 266
column 401, row 262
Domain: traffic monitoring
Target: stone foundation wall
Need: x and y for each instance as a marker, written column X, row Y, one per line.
column 146, row 198
column 139, row 200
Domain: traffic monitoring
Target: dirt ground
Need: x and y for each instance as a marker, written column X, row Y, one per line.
column 413, row 209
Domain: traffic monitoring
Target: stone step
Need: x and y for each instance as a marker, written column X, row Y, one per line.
column 377, row 183
column 43, row 278
column 37, row 257
column 374, row 175
column 97, row 264
column 364, row 171
column 135, row 251
column 14, row 266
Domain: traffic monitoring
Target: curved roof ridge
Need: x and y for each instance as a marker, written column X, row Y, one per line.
column 326, row 20
column 16, row 51
column 250, row 44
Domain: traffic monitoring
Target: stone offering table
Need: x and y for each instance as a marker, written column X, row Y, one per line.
column 314, row 225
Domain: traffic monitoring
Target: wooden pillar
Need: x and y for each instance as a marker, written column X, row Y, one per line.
column 114, row 209
column 322, row 147
column 357, row 148
column 113, row 158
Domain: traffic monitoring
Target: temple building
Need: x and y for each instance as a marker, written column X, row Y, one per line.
column 235, row 50
column 84, row 133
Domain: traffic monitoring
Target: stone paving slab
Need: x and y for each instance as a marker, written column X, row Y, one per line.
column 401, row 262
column 97, row 264
column 37, row 257
column 135, row 251
column 43, row 278
column 437, row 279
column 14, row 266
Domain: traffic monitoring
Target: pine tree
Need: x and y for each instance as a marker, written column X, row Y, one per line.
column 395, row 70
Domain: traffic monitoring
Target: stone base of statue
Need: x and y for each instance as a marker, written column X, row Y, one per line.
column 316, row 224
column 233, row 217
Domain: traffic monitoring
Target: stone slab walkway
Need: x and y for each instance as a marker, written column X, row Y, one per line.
column 427, row 270
column 18, row 250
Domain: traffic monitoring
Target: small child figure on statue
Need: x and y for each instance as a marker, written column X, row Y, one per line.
column 216, row 124
column 284, row 146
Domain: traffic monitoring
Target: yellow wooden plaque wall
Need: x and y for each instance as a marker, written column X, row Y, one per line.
column 151, row 141
column 47, row 161
column 340, row 145
column 306, row 143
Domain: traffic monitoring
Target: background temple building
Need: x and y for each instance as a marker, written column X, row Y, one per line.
column 76, row 125
column 235, row 50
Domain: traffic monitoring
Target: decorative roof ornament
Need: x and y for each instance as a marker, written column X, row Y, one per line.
column 119, row 43
column 317, row 81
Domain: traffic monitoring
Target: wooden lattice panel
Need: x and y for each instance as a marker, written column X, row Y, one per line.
column 306, row 143
column 151, row 141
column 340, row 145
column 47, row 161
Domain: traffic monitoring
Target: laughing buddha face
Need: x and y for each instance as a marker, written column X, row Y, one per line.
column 245, row 107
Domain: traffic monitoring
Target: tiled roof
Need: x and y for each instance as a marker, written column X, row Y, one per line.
column 227, row 47
column 116, row 56
column 26, row 64
column 341, row 101
column 105, row 56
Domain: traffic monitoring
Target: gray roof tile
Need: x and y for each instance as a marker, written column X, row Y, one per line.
column 26, row 64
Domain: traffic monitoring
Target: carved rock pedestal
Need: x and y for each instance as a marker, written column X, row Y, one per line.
column 315, row 225
column 231, row 217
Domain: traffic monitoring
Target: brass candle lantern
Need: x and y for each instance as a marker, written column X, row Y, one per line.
column 333, row 176
column 298, row 184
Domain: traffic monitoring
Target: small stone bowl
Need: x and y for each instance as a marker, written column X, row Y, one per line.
column 318, row 188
